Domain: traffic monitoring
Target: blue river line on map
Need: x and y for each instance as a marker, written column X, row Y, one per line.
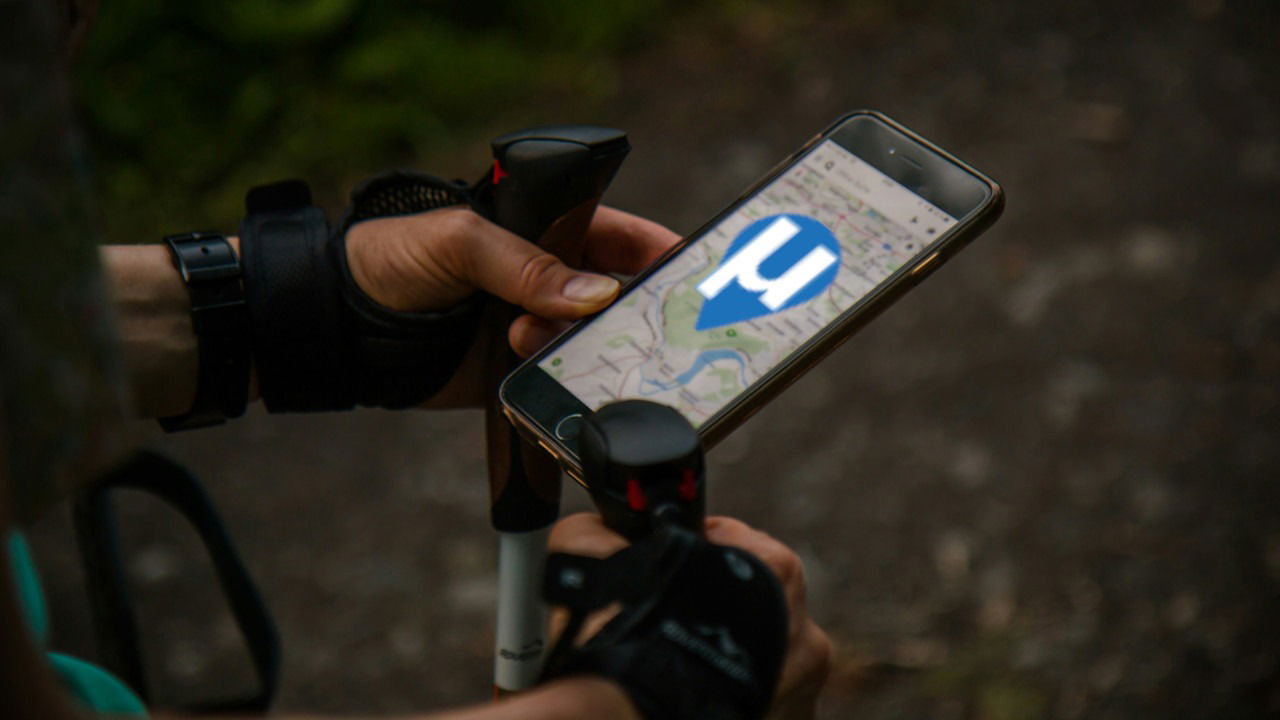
column 705, row 358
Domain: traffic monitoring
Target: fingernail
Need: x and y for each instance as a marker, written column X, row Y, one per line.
column 590, row 288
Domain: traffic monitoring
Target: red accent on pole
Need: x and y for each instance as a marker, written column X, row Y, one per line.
column 688, row 486
column 635, row 496
column 498, row 172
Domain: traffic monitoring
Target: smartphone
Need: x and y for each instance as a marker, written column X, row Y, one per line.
column 742, row 307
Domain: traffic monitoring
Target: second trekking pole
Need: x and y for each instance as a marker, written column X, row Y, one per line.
column 544, row 186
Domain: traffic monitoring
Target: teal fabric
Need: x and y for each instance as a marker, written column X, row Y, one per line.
column 30, row 596
column 95, row 688
column 92, row 687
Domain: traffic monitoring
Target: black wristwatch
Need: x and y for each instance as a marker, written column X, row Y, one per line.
column 211, row 270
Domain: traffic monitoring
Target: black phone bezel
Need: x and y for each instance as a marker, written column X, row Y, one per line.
column 973, row 198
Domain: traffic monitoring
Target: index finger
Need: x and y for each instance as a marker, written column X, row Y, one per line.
column 619, row 242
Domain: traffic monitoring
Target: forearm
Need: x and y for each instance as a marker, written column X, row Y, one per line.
column 574, row 698
column 156, row 335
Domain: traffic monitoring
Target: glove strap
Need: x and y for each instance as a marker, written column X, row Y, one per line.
column 403, row 358
column 320, row 342
column 701, row 634
column 296, row 317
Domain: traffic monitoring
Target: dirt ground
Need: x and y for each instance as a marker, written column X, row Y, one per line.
column 1043, row 485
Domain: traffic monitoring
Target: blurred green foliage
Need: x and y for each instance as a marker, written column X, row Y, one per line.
column 187, row 104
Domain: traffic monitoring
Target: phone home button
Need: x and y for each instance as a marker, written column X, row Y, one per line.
column 569, row 427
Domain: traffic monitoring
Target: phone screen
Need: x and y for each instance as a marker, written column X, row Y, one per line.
column 747, row 294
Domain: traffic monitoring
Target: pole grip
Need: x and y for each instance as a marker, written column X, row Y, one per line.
column 544, row 185
column 644, row 466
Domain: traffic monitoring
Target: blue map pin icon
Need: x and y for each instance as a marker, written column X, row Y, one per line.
column 775, row 263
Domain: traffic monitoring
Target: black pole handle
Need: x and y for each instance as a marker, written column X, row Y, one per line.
column 541, row 175
column 544, row 186
column 644, row 465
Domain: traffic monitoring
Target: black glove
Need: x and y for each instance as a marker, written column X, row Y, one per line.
column 701, row 635
column 319, row 342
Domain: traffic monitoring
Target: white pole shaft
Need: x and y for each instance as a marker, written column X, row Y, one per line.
column 522, row 615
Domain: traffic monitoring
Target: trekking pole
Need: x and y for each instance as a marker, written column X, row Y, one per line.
column 544, row 186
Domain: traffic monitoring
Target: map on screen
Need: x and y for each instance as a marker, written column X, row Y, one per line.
column 747, row 294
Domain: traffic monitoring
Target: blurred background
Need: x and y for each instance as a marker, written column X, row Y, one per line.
column 1046, row 484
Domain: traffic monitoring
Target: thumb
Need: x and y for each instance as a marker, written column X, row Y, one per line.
column 519, row 272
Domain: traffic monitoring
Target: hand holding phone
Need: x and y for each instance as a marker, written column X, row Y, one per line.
column 742, row 307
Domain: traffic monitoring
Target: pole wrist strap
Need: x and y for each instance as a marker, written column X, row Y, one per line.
column 701, row 635
column 295, row 307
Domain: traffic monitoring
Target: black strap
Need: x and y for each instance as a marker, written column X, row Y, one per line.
column 320, row 343
column 110, row 600
column 296, row 316
column 212, row 274
column 701, row 633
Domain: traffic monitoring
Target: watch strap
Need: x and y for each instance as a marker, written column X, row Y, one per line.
column 211, row 271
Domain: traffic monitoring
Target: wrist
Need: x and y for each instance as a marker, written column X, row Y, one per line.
column 602, row 698
column 153, row 312
column 153, row 316
column 572, row 698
